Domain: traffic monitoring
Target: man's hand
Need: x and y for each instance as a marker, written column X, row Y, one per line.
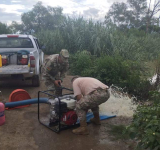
column 57, row 83
column 78, row 97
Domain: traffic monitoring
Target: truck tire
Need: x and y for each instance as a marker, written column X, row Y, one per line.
column 35, row 81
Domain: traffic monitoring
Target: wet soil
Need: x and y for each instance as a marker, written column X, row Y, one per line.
column 23, row 131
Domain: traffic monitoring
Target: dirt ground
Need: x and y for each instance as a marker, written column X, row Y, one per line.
column 23, row 131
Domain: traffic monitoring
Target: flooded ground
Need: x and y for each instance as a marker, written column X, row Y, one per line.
column 23, row 131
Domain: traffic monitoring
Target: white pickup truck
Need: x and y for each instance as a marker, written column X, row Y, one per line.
column 21, row 57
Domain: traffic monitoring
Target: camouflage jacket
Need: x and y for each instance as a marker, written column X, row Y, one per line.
column 53, row 69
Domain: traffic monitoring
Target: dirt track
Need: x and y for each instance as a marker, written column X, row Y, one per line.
column 23, row 131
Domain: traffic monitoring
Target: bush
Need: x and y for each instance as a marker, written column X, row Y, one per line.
column 146, row 127
column 154, row 96
column 123, row 73
column 80, row 62
column 112, row 70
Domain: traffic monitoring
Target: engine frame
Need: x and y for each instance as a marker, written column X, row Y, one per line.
column 60, row 127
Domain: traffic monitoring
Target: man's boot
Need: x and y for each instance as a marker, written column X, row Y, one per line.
column 96, row 119
column 82, row 130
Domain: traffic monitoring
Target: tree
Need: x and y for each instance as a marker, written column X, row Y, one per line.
column 16, row 27
column 4, row 29
column 35, row 19
column 151, row 12
column 128, row 14
column 117, row 14
column 41, row 17
column 138, row 10
column 134, row 13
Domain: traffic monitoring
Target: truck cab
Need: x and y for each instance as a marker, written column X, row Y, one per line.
column 21, row 56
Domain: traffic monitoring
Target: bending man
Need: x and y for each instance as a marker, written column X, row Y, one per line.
column 89, row 93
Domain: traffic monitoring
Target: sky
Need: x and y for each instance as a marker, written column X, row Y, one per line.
column 11, row 10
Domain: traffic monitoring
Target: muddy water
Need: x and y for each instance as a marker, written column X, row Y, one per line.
column 119, row 103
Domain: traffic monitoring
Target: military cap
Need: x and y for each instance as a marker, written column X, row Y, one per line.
column 64, row 53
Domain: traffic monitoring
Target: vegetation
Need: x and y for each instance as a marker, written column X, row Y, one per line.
column 4, row 29
column 113, row 70
column 118, row 132
column 146, row 125
column 117, row 51
column 133, row 14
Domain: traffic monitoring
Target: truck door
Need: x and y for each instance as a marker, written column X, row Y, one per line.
column 41, row 54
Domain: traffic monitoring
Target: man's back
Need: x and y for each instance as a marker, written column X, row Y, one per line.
column 85, row 85
column 51, row 59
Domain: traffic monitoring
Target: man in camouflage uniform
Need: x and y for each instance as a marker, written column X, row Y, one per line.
column 54, row 69
column 89, row 93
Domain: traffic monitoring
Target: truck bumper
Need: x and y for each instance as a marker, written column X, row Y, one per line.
column 14, row 69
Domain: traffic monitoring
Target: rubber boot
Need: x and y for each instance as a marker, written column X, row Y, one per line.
column 96, row 119
column 82, row 130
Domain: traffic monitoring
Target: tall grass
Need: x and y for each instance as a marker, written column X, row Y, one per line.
column 79, row 34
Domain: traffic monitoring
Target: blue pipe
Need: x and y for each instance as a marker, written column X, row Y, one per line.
column 25, row 102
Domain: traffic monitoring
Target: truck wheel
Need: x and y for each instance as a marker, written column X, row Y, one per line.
column 35, row 81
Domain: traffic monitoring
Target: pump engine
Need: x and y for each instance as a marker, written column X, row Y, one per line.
column 65, row 112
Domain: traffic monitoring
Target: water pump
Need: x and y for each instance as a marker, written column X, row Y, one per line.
column 65, row 112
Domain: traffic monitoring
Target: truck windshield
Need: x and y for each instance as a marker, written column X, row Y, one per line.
column 15, row 43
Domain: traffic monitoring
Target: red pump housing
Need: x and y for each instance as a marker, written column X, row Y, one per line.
column 69, row 118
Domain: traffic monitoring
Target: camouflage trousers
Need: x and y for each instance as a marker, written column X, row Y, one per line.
column 51, row 86
column 91, row 101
